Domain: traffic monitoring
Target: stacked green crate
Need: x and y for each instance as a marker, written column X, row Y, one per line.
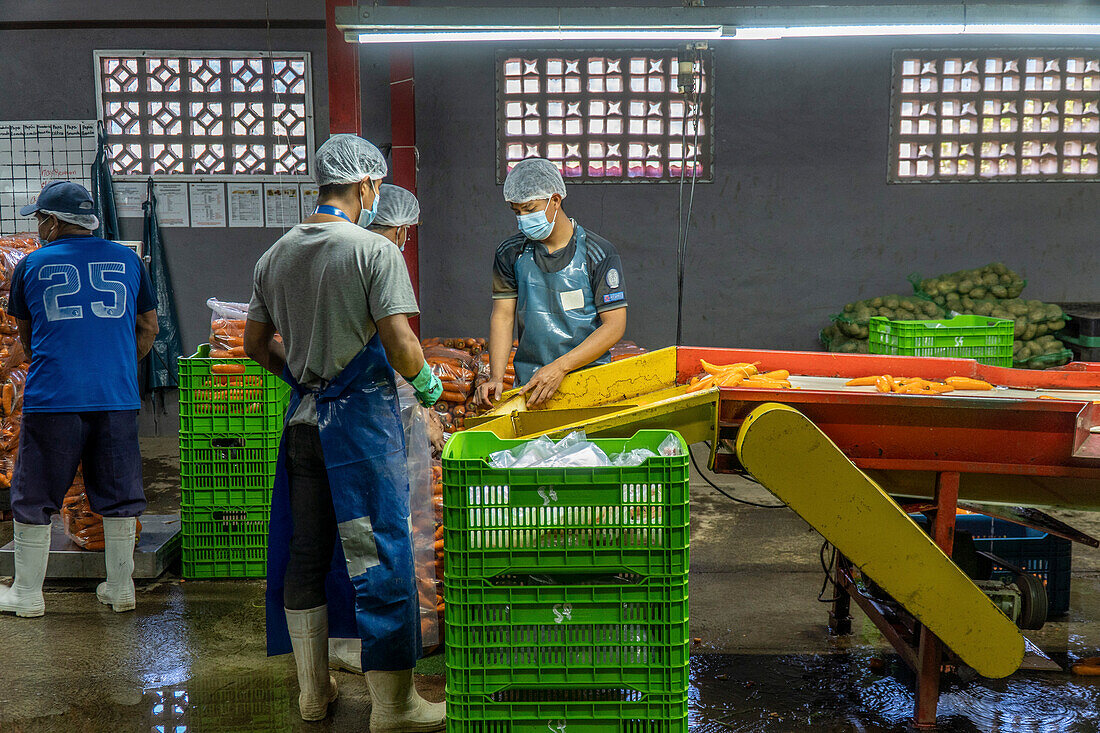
column 231, row 418
column 566, row 591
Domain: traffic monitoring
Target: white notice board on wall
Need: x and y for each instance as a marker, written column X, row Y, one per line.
column 35, row 152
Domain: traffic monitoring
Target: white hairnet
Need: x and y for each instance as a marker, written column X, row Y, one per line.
column 397, row 207
column 84, row 221
column 345, row 158
column 531, row 179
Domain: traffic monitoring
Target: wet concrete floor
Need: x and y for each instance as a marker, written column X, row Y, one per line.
column 191, row 658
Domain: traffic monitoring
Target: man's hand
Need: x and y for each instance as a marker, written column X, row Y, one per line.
column 435, row 432
column 488, row 393
column 544, row 384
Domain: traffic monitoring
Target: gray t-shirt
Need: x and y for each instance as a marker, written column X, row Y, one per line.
column 323, row 286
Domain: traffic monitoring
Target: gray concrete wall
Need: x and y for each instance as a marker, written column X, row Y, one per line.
column 799, row 219
column 49, row 74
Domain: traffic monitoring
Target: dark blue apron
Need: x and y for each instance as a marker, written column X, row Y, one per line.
column 556, row 311
column 371, row 586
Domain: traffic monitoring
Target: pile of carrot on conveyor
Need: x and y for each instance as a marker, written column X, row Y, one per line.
column 916, row 385
column 746, row 375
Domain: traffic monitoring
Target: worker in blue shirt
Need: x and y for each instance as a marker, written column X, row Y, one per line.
column 556, row 283
column 86, row 313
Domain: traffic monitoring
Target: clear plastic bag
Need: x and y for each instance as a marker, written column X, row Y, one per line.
column 83, row 526
column 414, row 419
column 227, row 321
column 670, row 446
column 635, row 457
column 532, row 453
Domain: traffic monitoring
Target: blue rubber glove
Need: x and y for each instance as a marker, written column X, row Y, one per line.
column 427, row 386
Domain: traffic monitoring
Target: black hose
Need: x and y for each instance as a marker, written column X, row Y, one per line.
column 726, row 494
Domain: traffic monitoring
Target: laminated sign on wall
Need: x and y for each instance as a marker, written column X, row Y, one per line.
column 33, row 153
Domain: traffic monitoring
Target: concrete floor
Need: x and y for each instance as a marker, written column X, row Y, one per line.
column 193, row 652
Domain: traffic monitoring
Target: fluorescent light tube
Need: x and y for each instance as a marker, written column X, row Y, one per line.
column 564, row 34
column 830, row 31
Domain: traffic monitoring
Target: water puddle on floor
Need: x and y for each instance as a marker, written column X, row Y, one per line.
column 844, row 692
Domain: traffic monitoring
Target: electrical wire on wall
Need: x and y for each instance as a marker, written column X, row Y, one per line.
column 690, row 72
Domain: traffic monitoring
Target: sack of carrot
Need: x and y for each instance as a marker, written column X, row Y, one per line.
column 13, row 363
column 83, row 526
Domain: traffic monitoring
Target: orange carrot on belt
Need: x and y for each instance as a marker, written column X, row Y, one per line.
column 968, row 383
column 778, row 374
column 862, row 382
column 705, row 383
column 885, row 383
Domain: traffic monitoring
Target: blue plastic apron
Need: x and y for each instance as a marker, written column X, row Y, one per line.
column 371, row 586
column 556, row 311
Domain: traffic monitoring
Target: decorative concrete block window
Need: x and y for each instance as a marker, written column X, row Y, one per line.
column 995, row 116
column 209, row 115
column 606, row 118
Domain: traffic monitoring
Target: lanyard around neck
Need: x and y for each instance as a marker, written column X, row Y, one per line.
column 332, row 211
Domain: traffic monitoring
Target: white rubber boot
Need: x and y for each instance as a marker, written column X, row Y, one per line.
column 309, row 638
column 345, row 655
column 32, row 552
column 396, row 705
column 118, row 553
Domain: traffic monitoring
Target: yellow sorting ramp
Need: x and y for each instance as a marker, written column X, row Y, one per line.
column 794, row 460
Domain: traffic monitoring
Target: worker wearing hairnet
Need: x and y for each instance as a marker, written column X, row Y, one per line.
column 86, row 314
column 559, row 285
column 340, row 559
column 398, row 210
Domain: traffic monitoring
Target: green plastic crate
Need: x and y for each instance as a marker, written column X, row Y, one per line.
column 987, row 340
column 225, row 542
column 546, row 520
column 229, row 404
column 629, row 635
column 567, row 711
column 227, row 470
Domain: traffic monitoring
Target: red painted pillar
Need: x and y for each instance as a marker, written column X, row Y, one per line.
column 403, row 135
column 930, row 650
column 344, row 102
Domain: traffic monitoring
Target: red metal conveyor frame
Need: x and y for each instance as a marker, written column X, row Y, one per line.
column 1011, row 450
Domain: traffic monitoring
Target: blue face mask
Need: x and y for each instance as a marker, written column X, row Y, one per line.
column 535, row 225
column 366, row 216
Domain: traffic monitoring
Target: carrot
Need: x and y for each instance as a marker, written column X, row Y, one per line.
column 968, row 384
column 778, row 374
column 228, row 369
column 438, row 545
column 732, row 379
column 717, row 369
column 221, row 354
column 705, row 383
column 9, row 397
column 1088, row 667
column 885, row 383
column 862, row 382
column 451, row 396
column 238, row 352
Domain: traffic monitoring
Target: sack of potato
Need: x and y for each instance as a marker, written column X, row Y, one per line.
column 850, row 329
column 994, row 281
column 836, row 342
column 1043, row 352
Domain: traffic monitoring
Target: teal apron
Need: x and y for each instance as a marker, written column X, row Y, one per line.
column 555, row 311
column 371, row 586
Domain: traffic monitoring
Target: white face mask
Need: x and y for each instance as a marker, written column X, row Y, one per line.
column 366, row 216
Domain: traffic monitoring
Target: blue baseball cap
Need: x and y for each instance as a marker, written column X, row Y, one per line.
column 62, row 197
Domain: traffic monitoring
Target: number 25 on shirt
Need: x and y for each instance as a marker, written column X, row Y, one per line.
column 66, row 281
